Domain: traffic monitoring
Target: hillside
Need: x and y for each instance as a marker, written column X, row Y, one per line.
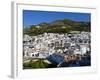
column 58, row 26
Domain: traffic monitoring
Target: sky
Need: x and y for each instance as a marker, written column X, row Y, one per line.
column 31, row 17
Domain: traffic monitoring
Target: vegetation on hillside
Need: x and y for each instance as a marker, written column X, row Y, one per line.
column 58, row 26
column 37, row 64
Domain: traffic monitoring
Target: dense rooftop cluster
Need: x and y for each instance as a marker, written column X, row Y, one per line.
column 50, row 43
column 59, row 48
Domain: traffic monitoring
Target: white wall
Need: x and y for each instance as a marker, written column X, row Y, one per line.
column 5, row 39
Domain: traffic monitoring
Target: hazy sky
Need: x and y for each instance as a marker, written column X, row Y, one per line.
column 31, row 17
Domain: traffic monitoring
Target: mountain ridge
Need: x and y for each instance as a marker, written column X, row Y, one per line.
column 58, row 26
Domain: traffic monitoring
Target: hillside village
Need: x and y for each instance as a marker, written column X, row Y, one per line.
column 61, row 43
column 50, row 43
column 44, row 45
